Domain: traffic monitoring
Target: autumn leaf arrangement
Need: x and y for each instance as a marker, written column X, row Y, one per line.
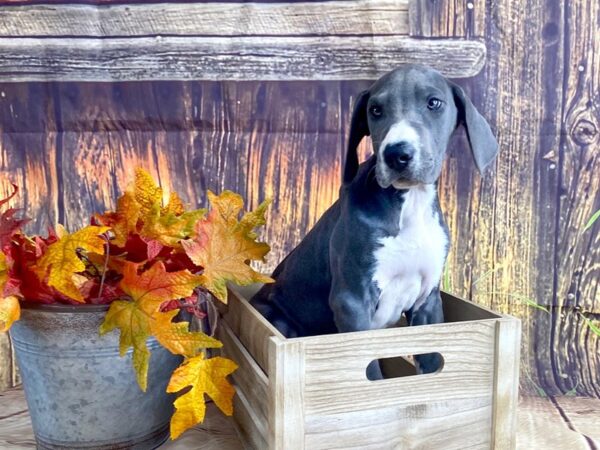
column 148, row 261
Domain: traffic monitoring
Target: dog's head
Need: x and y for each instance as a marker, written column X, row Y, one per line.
column 410, row 114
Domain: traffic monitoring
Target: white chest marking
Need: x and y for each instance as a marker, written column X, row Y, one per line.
column 409, row 265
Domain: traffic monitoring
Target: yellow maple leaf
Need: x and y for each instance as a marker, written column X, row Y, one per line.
column 61, row 262
column 133, row 323
column 147, row 193
column 136, row 318
column 169, row 228
column 205, row 376
column 177, row 338
column 223, row 247
column 254, row 219
column 175, row 205
column 10, row 311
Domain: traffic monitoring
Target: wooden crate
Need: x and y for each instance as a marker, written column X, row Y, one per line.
column 312, row 393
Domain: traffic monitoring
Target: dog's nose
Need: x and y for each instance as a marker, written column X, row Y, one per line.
column 397, row 156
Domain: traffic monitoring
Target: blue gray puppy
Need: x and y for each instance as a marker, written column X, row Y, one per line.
column 379, row 251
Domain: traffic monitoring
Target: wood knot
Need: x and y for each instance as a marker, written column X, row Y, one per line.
column 584, row 132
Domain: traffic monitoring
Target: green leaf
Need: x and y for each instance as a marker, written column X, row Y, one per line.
column 533, row 304
column 592, row 220
column 592, row 326
column 488, row 273
column 523, row 298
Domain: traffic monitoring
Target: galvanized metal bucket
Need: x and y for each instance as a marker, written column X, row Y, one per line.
column 81, row 394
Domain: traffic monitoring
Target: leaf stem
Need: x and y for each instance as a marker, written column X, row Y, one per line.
column 107, row 254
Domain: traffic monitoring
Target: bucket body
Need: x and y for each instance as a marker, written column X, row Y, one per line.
column 80, row 392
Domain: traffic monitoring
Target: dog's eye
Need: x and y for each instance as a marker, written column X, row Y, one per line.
column 434, row 104
column 376, row 110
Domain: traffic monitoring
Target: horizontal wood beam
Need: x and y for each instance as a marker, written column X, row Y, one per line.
column 240, row 58
column 359, row 17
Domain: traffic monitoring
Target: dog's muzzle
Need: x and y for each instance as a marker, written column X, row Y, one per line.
column 398, row 156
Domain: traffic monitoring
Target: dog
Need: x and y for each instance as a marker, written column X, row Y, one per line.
column 379, row 251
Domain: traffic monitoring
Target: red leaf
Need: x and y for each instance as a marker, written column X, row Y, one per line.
column 110, row 292
column 9, row 224
column 153, row 248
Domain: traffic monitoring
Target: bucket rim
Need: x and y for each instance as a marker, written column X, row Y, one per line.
column 63, row 308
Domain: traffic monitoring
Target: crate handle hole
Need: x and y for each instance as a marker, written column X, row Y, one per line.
column 402, row 366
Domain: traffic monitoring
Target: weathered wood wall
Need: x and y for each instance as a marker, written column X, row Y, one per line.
column 516, row 235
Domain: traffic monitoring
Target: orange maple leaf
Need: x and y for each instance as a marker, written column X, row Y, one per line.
column 140, row 318
column 61, row 262
column 224, row 246
column 124, row 220
column 155, row 286
column 205, row 376
column 10, row 311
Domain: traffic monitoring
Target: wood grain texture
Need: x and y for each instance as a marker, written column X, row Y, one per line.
column 320, row 397
column 525, row 243
column 242, row 58
column 581, row 415
column 252, row 329
column 435, row 18
column 506, row 387
column 423, row 426
column 251, row 430
column 382, row 17
column 516, row 234
column 286, row 394
column 540, row 426
column 336, row 367
column 250, row 378
column 577, row 261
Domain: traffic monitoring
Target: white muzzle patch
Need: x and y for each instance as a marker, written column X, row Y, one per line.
column 399, row 132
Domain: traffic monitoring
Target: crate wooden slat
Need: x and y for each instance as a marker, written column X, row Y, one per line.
column 318, row 396
column 208, row 19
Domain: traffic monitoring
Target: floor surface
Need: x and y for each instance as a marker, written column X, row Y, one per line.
column 569, row 423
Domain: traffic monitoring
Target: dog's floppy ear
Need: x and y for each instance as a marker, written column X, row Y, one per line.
column 359, row 128
column 483, row 143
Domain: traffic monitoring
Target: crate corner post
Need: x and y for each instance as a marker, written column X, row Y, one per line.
column 506, row 383
column 286, row 394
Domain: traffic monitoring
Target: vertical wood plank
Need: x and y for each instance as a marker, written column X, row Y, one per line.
column 28, row 159
column 506, row 387
column 294, row 158
column 286, row 395
column 575, row 353
column 439, row 18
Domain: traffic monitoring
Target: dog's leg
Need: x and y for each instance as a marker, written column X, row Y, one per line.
column 350, row 315
column 429, row 312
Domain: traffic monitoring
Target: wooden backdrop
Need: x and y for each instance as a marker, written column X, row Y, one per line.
column 517, row 235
